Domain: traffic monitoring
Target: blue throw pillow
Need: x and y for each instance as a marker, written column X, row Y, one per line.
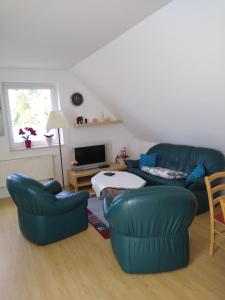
column 148, row 160
column 197, row 173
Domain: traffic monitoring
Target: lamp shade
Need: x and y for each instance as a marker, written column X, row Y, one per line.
column 57, row 119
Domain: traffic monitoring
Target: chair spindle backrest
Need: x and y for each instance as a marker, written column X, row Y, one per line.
column 215, row 189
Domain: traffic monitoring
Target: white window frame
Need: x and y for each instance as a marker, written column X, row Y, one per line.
column 55, row 106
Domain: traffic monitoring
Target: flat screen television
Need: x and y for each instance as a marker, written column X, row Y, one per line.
column 90, row 156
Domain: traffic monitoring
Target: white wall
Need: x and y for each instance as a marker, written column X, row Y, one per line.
column 165, row 77
column 1, row 121
column 66, row 84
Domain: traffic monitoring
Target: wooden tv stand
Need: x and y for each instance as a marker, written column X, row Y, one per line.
column 81, row 179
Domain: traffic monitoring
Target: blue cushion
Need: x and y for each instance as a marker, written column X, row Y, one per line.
column 197, row 173
column 148, row 160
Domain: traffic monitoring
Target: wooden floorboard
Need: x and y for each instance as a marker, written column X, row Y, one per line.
column 84, row 267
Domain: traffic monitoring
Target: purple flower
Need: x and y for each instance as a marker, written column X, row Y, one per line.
column 33, row 132
column 21, row 131
column 27, row 132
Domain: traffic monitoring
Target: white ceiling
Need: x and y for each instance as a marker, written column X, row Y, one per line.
column 57, row 34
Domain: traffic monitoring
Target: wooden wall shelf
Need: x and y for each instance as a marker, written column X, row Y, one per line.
column 109, row 122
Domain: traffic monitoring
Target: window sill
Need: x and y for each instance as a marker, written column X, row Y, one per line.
column 35, row 147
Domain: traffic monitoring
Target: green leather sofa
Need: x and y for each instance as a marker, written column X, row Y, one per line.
column 185, row 159
column 149, row 228
column 47, row 213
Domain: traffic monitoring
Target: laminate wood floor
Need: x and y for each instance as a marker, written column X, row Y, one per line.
column 84, row 267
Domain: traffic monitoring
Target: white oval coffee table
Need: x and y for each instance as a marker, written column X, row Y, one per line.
column 119, row 180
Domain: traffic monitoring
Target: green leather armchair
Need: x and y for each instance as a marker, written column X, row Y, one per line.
column 149, row 228
column 47, row 213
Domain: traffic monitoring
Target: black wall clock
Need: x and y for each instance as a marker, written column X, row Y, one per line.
column 77, row 99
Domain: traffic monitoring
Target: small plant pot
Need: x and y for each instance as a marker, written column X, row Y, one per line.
column 49, row 141
column 28, row 144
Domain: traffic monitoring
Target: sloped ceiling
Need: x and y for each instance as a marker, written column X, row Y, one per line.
column 165, row 77
column 56, row 34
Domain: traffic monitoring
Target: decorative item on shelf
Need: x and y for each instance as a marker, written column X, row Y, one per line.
column 80, row 120
column 58, row 120
column 74, row 163
column 26, row 132
column 121, row 156
column 85, row 120
column 49, row 138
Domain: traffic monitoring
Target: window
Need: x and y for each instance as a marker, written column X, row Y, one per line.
column 29, row 105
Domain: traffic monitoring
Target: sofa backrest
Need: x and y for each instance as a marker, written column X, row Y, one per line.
column 186, row 158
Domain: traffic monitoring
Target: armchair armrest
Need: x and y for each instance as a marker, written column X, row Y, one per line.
column 69, row 200
column 132, row 163
column 109, row 194
column 108, row 206
column 53, row 187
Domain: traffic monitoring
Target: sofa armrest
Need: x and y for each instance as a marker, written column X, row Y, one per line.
column 132, row 163
column 53, row 187
column 198, row 184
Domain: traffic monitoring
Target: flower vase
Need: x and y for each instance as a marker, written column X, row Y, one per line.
column 121, row 161
column 49, row 141
column 28, row 144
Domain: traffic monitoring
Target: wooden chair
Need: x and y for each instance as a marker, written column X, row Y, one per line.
column 215, row 185
column 222, row 203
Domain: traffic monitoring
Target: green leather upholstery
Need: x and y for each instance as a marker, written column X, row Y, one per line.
column 46, row 212
column 53, row 187
column 185, row 159
column 149, row 228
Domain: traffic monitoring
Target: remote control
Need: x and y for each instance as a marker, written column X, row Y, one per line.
column 109, row 174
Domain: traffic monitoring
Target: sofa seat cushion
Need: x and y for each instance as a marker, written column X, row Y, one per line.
column 139, row 172
column 156, row 180
column 164, row 173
